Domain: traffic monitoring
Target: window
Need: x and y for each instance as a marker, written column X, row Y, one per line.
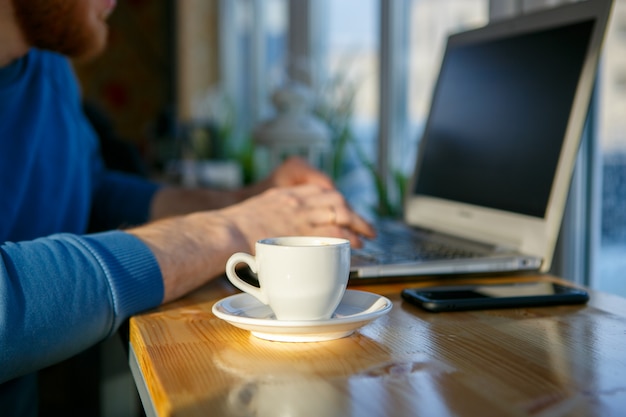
column 611, row 251
column 349, row 82
column 252, row 54
column 399, row 45
column 337, row 46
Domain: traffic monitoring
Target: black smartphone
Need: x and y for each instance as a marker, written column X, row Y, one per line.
column 474, row 297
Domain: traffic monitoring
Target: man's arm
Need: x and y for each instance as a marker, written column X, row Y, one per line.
column 170, row 201
column 61, row 294
column 64, row 293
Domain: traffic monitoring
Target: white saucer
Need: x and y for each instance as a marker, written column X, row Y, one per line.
column 356, row 309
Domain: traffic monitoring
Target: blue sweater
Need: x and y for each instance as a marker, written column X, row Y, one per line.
column 61, row 291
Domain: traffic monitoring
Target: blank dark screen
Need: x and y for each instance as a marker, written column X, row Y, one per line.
column 499, row 117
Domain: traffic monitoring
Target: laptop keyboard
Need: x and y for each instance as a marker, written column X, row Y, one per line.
column 404, row 244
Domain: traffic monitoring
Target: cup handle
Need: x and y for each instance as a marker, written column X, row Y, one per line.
column 231, row 273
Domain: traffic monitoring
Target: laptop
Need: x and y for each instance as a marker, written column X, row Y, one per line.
column 496, row 157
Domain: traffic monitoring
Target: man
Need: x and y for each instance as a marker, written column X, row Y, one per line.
column 62, row 290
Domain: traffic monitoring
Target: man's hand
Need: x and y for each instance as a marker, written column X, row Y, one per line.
column 296, row 171
column 308, row 209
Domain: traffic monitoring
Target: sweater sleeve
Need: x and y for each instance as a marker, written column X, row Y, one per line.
column 61, row 294
column 120, row 200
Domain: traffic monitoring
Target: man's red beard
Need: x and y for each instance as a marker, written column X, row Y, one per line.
column 63, row 26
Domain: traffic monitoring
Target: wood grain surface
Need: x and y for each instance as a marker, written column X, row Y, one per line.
column 541, row 361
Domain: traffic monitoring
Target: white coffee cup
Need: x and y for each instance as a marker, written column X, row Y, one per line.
column 300, row 277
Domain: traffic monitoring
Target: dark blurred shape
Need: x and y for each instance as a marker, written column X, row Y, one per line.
column 118, row 154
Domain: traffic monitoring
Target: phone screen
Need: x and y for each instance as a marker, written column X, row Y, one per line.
column 446, row 298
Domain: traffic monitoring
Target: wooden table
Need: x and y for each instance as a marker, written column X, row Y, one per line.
column 547, row 361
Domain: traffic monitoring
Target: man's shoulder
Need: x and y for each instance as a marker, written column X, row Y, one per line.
column 52, row 69
column 48, row 59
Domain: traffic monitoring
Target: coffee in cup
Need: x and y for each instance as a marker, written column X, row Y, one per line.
column 300, row 277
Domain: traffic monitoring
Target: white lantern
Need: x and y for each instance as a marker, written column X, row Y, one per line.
column 294, row 131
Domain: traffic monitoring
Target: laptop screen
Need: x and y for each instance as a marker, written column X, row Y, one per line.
column 498, row 118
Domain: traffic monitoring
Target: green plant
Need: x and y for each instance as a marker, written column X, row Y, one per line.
column 335, row 106
column 215, row 136
column 390, row 202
